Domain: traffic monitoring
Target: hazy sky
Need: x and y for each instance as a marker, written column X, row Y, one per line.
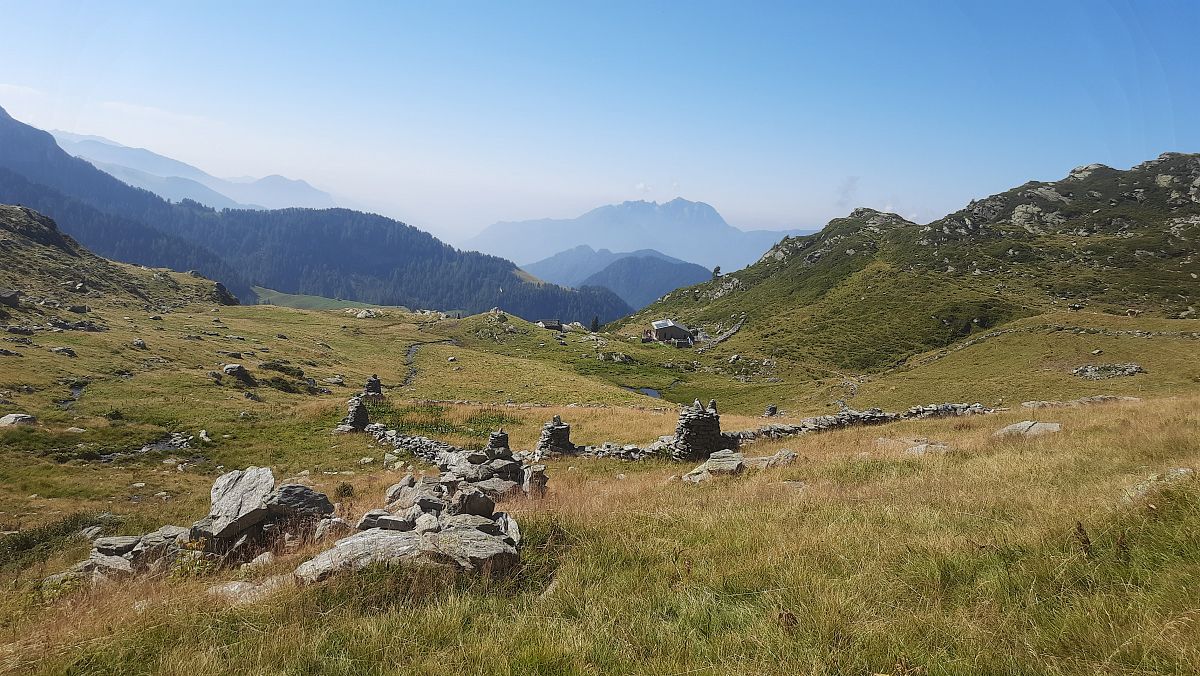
column 453, row 115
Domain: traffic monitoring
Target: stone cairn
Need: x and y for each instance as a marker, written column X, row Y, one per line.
column 357, row 418
column 555, row 440
column 698, row 433
column 373, row 389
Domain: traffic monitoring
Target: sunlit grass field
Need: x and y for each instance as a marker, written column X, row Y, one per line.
column 856, row 559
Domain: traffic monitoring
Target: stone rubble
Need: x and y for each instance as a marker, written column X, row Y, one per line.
column 1106, row 371
column 446, row 521
column 1082, row 401
column 732, row 463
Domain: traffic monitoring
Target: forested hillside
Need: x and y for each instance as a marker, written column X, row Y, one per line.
column 328, row 252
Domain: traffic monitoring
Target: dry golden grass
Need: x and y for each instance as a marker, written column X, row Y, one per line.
column 962, row 563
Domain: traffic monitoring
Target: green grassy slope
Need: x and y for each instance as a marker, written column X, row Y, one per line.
column 873, row 288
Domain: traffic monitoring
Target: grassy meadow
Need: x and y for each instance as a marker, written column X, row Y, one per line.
column 1003, row 556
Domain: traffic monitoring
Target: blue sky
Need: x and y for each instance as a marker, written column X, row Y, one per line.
column 455, row 115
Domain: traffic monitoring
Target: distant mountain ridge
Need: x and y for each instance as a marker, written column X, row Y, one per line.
column 171, row 179
column 573, row 266
column 691, row 231
column 640, row 280
column 335, row 253
column 638, row 277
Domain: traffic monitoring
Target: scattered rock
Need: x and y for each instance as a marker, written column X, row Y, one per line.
column 1028, row 428
column 1156, row 481
column 15, row 419
column 65, row 351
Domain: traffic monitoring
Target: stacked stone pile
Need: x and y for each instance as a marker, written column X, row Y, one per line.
column 698, row 433
column 555, row 440
column 447, row 520
column 357, row 418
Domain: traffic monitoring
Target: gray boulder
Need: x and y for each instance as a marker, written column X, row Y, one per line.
column 362, row 549
column 238, row 502
column 115, row 545
column 298, row 500
column 371, row 519
column 14, row 419
column 474, row 550
column 472, row 501
column 497, row 489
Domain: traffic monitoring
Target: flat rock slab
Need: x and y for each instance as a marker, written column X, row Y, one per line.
column 14, row 419
column 362, row 549
column 1028, row 428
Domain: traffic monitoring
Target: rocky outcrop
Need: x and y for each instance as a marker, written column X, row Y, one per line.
column 250, row 514
column 730, row 463
column 1106, row 371
column 118, row 557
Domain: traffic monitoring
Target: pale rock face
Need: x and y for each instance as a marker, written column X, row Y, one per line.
column 1028, row 428
column 14, row 419
column 238, row 502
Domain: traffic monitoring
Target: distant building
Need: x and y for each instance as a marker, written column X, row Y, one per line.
column 670, row 331
column 552, row 324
